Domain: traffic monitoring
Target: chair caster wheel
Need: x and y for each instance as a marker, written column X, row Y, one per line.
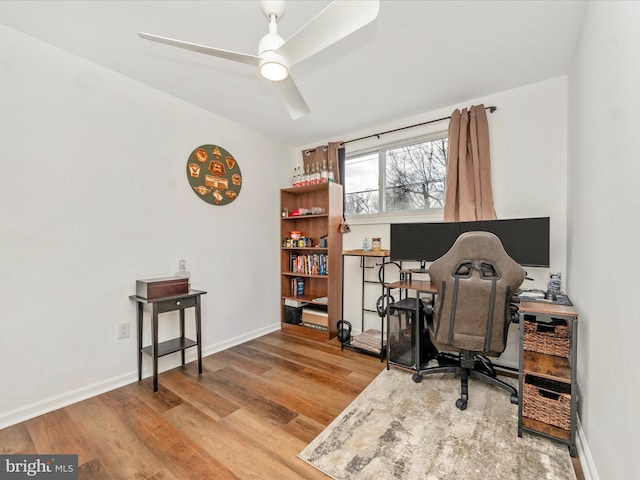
column 416, row 378
column 514, row 399
column 461, row 404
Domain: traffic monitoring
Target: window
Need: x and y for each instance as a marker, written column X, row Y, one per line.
column 402, row 177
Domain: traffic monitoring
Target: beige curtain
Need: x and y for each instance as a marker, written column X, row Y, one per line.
column 468, row 191
column 321, row 154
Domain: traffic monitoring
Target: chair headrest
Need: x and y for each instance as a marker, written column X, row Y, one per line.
column 481, row 251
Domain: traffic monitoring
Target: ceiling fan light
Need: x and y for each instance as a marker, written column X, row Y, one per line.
column 274, row 71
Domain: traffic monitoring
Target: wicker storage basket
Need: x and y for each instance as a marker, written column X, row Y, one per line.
column 547, row 401
column 547, row 338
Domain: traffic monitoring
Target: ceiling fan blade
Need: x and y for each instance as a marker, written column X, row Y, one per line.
column 335, row 22
column 296, row 106
column 216, row 52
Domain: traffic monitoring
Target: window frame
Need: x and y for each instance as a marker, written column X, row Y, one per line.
column 382, row 179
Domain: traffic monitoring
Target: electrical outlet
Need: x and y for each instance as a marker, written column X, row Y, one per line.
column 123, row 330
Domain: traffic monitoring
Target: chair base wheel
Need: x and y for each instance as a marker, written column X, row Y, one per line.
column 514, row 399
column 416, row 377
column 461, row 403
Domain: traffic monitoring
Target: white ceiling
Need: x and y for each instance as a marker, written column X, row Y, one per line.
column 415, row 57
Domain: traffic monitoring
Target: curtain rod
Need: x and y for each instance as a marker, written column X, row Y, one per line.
column 311, row 150
column 491, row 110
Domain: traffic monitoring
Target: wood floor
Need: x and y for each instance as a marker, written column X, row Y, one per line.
column 252, row 410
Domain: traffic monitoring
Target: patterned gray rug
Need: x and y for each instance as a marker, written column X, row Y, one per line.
column 400, row 429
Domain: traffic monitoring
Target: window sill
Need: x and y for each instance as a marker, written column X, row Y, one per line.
column 435, row 215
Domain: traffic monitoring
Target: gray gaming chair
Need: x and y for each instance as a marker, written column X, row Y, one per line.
column 475, row 281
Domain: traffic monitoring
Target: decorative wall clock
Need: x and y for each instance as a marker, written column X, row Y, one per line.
column 214, row 174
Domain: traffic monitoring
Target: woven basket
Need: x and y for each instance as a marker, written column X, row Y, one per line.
column 547, row 407
column 550, row 340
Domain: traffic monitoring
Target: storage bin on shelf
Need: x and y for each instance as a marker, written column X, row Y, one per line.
column 547, row 401
column 547, row 335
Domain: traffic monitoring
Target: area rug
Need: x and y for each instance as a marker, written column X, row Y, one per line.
column 404, row 430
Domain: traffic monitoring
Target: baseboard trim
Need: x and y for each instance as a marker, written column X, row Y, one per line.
column 50, row 404
column 584, row 454
column 59, row 401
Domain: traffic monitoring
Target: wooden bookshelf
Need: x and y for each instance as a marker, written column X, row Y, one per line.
column 328, row 197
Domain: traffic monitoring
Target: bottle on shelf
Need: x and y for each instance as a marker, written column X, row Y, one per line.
column 554, row 285
column 365, row 244
column 307, row 174
column 183, row 272
column 294, row 179
column 330, row 173
column 323, row 173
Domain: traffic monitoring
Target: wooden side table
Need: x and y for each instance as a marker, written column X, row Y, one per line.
column 179, row 344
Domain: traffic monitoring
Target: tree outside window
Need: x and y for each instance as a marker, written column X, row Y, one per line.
column 412, row 177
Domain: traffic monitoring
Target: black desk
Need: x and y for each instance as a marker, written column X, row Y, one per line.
column 179, row 344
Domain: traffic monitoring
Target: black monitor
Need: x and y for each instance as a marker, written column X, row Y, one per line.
column 422, row 242
column 526, row 240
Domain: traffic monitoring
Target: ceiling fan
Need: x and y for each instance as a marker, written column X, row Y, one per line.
column 276, row 56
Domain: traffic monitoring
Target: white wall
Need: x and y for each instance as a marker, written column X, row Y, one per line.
column 604, row 232
column 528, row 160
column 94, row 195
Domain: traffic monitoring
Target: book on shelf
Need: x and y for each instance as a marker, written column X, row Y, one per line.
column 315, row 326
column 294, row 303
column 313, row 264
column 297, row 286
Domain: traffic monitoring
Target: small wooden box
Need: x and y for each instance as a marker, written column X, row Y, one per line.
column 152, row 288
column 316, row 317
